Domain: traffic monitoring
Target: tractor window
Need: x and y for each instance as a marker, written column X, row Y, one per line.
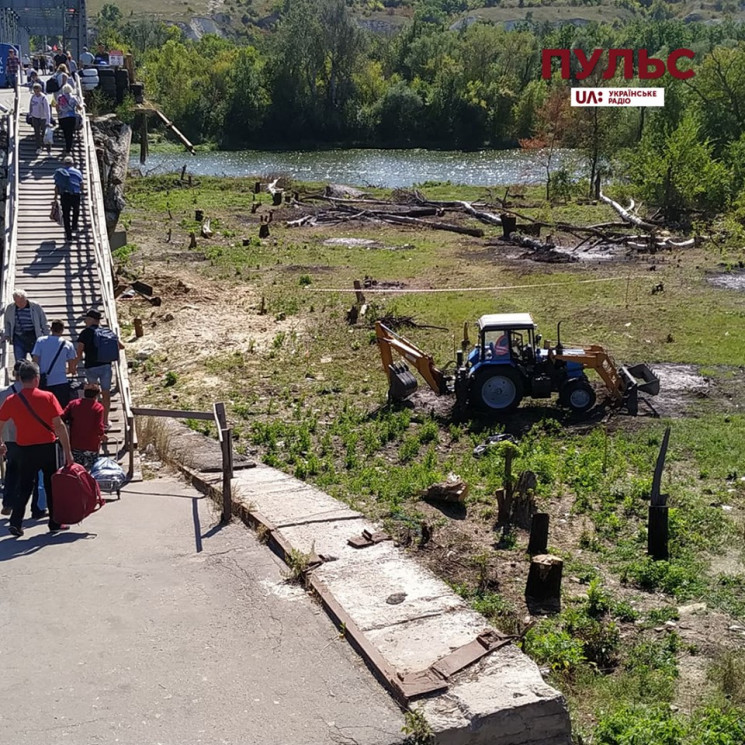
column 496, row 344
column 516, row 344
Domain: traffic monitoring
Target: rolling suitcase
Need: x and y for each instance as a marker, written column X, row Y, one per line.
column 76, row 494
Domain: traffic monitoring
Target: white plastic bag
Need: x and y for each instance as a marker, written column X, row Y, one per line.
column 49, row 135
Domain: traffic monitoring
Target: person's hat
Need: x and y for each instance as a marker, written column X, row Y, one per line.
column 93, row 313
column 68, row 159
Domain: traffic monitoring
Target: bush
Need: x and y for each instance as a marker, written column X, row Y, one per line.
column 548, row 645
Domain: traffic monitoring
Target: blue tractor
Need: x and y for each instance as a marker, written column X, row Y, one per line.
column 508, row 364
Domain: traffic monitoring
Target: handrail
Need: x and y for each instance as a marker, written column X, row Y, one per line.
column 105, row 265
column 10, row 229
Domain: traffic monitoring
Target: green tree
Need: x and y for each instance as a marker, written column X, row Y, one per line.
column 678, row 172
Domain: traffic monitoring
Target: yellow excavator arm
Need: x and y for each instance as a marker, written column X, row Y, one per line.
column 389, row 340
column 622, row 382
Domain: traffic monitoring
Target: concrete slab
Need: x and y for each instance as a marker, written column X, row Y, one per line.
column 365, row 590
column 414, row 646
column 330, row 538
column 290, row 504
column 501, row 700
column 152, row 624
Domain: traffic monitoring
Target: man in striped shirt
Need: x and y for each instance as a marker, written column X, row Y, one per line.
column 12, row 65
column 25, row 322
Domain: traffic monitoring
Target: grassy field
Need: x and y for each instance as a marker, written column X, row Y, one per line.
column 647, row 652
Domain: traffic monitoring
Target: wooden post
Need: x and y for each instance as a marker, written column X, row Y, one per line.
column 543, row 589
column 139, row 331
column 538, row 543
column 504, row 495
column 143, row 139
column 277, row 198
column 257, row 187
column 657, row 532
column 263, row 230
column 192, row 239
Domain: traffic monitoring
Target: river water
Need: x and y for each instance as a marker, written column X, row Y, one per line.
column 385, row 168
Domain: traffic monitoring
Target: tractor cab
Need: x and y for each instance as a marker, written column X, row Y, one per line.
column 504, row 338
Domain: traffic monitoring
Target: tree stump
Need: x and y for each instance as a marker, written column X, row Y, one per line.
column 538, row 543
column 277, row 198
column 254, row 207
column 193, row 239
column 199, row 215
column 263, row 230
column 543, row 589
column 257, row 187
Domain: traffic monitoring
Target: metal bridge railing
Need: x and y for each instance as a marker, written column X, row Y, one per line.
column 105, row 264
column 10, row 230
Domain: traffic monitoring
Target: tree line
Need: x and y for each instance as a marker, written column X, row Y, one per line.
column 317, row 79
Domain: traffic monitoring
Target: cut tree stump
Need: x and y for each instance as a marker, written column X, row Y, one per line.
column 543, row 589
column 538, row 543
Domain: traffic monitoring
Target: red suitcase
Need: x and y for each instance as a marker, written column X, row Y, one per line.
column 75, row 494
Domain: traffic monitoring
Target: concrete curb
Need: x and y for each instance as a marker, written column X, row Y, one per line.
column 498, row 700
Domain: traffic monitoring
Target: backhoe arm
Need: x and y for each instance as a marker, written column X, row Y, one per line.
column 389, row 340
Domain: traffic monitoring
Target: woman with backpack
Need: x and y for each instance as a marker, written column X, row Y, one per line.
column 67, row 111
column 57, row 81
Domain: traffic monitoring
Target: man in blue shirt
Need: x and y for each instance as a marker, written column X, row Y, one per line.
column 68, row 183
column 56, row 358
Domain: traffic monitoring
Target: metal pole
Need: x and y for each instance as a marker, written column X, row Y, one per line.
column 227, row 474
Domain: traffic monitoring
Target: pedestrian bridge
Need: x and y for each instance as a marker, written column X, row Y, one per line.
column 66, row 279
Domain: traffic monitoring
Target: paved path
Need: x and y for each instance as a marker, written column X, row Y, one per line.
column 148, row 624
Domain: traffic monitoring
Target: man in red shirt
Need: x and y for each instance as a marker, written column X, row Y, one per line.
column 84, row 417
column 37, row 417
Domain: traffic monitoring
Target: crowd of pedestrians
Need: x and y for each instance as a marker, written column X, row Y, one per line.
column 44, row 421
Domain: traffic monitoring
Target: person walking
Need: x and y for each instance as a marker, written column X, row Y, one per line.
column 25, row 322
column 12, row 66
column 100, row 347
column 67, row 111
column 12, row 472
column 41, row 116
column 86, row 58
column 56, row 358
column 38, row 420
column 33, row 79
column 84, row 417
column 68, row 186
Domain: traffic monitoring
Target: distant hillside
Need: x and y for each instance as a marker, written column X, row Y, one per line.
column 198, row 17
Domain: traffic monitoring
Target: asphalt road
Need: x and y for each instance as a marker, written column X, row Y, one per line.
column 149, row 624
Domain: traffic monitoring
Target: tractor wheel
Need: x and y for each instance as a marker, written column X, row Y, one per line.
column 500, row 390
column 577, row 395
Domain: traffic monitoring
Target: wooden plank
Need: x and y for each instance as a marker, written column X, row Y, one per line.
column 173, row 413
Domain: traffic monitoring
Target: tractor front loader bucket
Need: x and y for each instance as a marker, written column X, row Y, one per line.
column 637, row 378
column 645, row 380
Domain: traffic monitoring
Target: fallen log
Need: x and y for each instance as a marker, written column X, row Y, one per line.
column 626, row 214
column 415, row 221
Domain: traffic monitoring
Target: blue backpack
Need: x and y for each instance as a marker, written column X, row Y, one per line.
column 106, row 343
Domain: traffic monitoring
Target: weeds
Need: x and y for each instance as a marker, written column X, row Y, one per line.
column 417, row 729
